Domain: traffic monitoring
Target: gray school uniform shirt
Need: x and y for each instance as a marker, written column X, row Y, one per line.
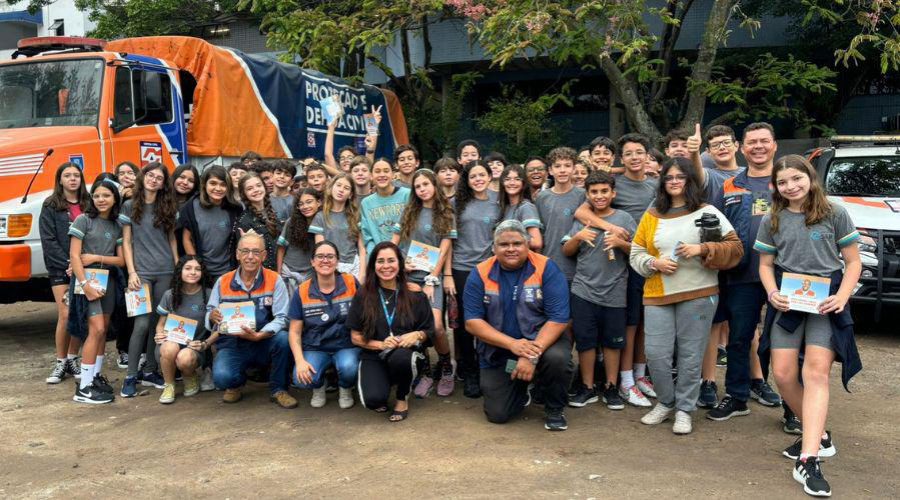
column 634, row 197
column 475, row 233
column 337, row 231
column 295, row 258
column 525, row 212
column 215, row 232
column 282, row 205
column 557, row 213
column 150, row 244
column 814, row 249
column 98, row 236
column 599, row 280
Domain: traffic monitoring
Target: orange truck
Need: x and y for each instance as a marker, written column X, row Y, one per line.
column 170, row 99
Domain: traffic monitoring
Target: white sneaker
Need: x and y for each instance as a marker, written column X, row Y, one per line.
column 635, row 397
column 682, row 423
column 645, row 386
column 345, row 398
column 206, row 381
column 318, row 398
column 659, row 414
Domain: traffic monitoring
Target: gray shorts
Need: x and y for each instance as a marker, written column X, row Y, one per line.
column 814, row 330
column 103, row 305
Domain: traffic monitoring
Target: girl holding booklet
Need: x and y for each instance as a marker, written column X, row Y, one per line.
column 148, row 242
column 805, row 233
column 185, row 303
column 68, row 200
column 338, row 222
column 428, row 219
column 96, row 244
column 516, row 203
column 258, row 215
column 294, row 244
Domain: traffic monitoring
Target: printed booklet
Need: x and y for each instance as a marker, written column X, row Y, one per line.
column 804, row 292
column 97, row 278
column 423, row 257
column 137, row 302
column 236, row 315
column 331, row 108
column 179, row 329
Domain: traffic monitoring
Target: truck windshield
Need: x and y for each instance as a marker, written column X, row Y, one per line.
column 51, row 93
column 872, row 176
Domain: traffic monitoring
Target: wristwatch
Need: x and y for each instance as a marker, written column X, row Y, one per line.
column 534, row 360
column 432, row 280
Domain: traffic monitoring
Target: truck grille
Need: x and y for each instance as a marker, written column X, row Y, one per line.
column 20, row 165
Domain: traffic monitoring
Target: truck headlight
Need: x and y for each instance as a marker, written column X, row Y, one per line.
column 15, row 226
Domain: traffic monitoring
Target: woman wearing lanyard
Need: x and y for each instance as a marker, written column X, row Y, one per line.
column 393, row 325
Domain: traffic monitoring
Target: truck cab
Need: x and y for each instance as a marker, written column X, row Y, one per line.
column 69, row 100
column 862, row 174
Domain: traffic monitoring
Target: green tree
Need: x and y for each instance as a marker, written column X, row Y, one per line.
column 522, row 123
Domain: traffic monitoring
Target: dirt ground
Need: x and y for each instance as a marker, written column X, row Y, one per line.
column 200, row 447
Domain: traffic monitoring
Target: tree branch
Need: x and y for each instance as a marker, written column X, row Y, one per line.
column 667, row 50
column 628, row 93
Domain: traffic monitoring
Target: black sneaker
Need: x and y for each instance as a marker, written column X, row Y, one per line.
column 472, row 387
column 763, row 393
column 791, row 423
column 583, row 397
column 728, row 407
column 73, row 367
column 612, row 398
column 708, row 394
column 122, row 361
column 826, row 448
column 58, row 373
column 101, row 383
column 91, row 395
column 809, row 474
column 722, row 357
column 555, row 420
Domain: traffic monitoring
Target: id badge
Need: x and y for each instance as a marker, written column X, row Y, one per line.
column 511, row 365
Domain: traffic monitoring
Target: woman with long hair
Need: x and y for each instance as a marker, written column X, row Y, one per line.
column 148, row 242
column 318, row 335
column 68, row 200
column 429, row 220
column 392, row 325
column 258, row 215
column 294, row 244
column 516, row 203
column 338, row 222
column 477, row 212
column 186, row 300
column 209, row 220
column 804, row 233
column 681, row 265
column 96, row 245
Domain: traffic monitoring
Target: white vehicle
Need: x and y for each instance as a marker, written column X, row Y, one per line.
column 862, row 174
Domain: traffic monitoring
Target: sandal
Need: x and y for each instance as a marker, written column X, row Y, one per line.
column 398, row 415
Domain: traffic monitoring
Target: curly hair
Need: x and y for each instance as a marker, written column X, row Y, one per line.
column 164, row 208
column 178, row 284
column 267, row 214
column 351, row 209
column 298, row 226
column 442, row 211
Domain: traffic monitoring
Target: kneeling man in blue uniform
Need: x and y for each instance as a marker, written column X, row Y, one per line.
column 517, row 306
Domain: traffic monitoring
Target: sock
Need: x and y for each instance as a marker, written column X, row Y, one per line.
column 71, row 356
column 627, row 378
column 60, row 360
column 86, row 376
column 640, row 369
column 98, row 366
column 805, row 456
column 824, row 436
column 721, row 347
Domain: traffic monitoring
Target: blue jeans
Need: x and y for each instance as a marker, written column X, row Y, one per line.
column 745, row 301
column 345, row 361
column 234, row 355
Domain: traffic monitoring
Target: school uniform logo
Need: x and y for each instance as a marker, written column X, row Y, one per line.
column 486, row 220
column 107, row 235
column 567, row 212
column 222, row 224
column 428, row 227
column 195, row 308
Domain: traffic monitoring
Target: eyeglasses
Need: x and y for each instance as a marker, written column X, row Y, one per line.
column 323, row 256
column 153, row 177
column 252, row 251
column 675, row 178
column 727, row 143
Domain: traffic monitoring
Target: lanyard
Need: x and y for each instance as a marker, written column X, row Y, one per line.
column 389, row 317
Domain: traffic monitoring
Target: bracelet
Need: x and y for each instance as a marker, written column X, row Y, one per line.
column 370, row 151
column 448, row 275
column 773, row 292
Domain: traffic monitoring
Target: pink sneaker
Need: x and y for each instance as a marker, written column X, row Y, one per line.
column 423, row 388
column 446, row 385
column 645, row 387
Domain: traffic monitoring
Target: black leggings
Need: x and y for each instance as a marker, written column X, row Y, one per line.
column 377, row 375
column 463, row 342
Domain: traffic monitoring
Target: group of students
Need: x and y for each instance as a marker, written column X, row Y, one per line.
column 668, row 258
